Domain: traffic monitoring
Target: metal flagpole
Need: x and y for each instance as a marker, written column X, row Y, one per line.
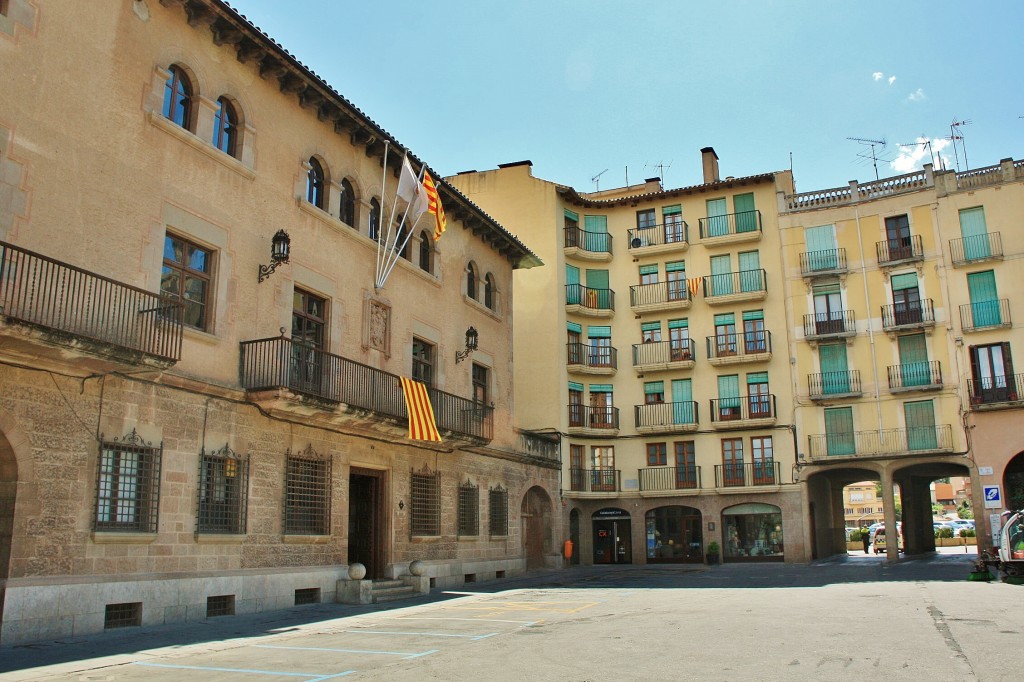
column 383, row 183
column 407, row 236
column 391, row 257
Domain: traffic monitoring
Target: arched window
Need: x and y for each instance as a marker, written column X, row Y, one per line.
column 471, row 281
column 315, row 183
column 225, row 127
column 178, row 94
column 426, row 252
column 490, row 292
column 348, row 204
column 374, row 219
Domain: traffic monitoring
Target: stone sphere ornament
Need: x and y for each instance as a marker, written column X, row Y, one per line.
column 417, row 568
column 356, row 571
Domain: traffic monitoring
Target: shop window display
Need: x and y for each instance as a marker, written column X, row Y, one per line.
column 674, row 535
column 752, row 532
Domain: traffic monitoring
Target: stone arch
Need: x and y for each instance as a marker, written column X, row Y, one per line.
column 1013, row 482
column 536, row 517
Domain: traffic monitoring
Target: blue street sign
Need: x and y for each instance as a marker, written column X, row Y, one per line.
column 993, row 498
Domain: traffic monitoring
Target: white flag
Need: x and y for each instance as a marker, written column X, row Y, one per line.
column 408, row 184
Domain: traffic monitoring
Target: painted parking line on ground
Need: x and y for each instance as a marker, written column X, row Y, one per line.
column 555, row 606
column 405, row 654
column 420, row 634
column 471, row 620
column 311, row 677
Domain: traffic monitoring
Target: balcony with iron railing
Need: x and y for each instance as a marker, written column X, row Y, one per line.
column 106, row 323
column 281, row 364
column 668, row 478
column 901, row 442
column 915, row 376
column 729, row 349
column 738, row 475
column 540, row 446
column 742, row 412
column 732, row 287
column 836, row 324
column 661, row 356
column 731, row 228
column 589, row 301
column 985, row 315
column 596, row 420
column 834, row 385
column 823, row 263
column 911, row 315
column 588, row 359
column 976, row 249
column 594, row 480
column 996, row 392
column 665, row 238
column 679, row 417
column 584, row 245
column 659, row 296
column 892, row 252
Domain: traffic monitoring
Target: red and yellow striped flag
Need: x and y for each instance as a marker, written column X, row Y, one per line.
column 434, row 205
column 422, row 425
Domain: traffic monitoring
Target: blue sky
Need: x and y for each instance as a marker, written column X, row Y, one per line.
column 579, row 87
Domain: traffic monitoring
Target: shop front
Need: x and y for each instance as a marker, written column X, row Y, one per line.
column 752, row 532
column 674, row 535
column 612, row 536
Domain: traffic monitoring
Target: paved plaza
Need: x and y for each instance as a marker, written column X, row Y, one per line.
column 852, row 618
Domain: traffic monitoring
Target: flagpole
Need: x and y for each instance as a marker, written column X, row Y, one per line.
column 383, row 184
column 407, row 237
column 392, row 256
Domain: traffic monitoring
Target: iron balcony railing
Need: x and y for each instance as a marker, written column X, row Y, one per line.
column 827, row 384
column 670, row 478
column 734, row 475
column 884, row 442
column 49, row 293
column 595, row 299
column 985, row 314
column 833, row 323
column 727, row 283
column 658, row 293
column 821, row 262
column 596, row 242
column 281, row 363
column 663, row 352
column 659, row 235
column 913, row 375
column 679, row 414
column 593, row 417
column 976, row 248
column 759, row 406
column 898, row 250
column 594, row 480
column 912, row 314
column 996, row 389
column 598, row 357
column 739, row 345
column 730, row 224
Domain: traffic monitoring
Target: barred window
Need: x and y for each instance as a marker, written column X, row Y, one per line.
column 498, row 509
column 469, row 509
column 223, row 492
column 425, row 507
column 307, row 495
column 128, row 485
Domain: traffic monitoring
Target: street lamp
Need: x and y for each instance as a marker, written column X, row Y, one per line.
column 472, row 337
column 280, row 250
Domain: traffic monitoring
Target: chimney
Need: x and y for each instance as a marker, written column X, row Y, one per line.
column 709, row 159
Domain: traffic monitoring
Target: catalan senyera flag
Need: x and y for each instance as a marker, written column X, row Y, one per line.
column 434, row 205
column 694, row 285
column 422, row 425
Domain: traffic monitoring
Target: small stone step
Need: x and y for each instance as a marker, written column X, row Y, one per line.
column 387, row 584
column 394, row 596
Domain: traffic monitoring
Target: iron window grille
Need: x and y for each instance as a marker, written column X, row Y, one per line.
column 469, row 510
column 498, row 511
column 425, row 505
column 307, row 497
column 223, row 492
column 220, row 605
column 122, row 615
column 128, row 485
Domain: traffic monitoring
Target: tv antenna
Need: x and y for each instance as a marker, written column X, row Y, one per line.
column 661, row 169
column 865, row 155
column 597, row 180
column 956, row 134
column 925, row 142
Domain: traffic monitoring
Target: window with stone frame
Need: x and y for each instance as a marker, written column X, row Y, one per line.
column 179, row 98
column 186, row 276
column 307, row 493
column 225, row 127
column 423, row 361
column 657, row 454
column 490, row 292
column 128, row 485
column 425, row 503
column 426, row 259
column 497, row 511
column 469, row 510
column 347, row 204
column 316, row 184
column 223, row 492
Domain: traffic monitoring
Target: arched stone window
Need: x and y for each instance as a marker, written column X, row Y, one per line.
column 347, row 212
column 178, row 98
column 472, row 279
column 225, row 127
column 315, row 184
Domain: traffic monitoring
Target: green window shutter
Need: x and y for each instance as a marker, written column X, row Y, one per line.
column 595, row 233
column 825, row 289
column 750, row 271
column 835, row 377
column 572, row 285
column 721, row 275
column 729, row 390
column 574, row 327
column 572, row 216
column 682, row 391
column 920, row 419
column 746, row 218
column 750, row 260
column 678, row 324
column 914, row 369
column 648, row 269
column 654, row 387
column 573, row 386
column 597, row 279
column 600, row 388
column 718, row 221
column 822, row 253
column 650, row 327
column 975, row 233
column 905, row 281
column 757, row 378
column 839, row 434
column 599, row 332
column 682, row 402
column 676, row 266
column 725, row 318
column 981, row 287
column 595, row 223
column 672, row 210
column 749, row 315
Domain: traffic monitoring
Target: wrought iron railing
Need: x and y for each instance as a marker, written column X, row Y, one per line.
column 828, row 384
column 820, row 262
column 727, row 283
column 996, row 389
column 759, row 406
column 834, row 323
column 593, row 417
column 659, row 235
column 663, row 352
column 595, row 299
column 900, row 249
column 658, row 293
column 985, row 314
column 598, row 357
column 680, row 414
column 281, row 363
column 978, row 247
column 913, row 375
column 734, row 475
column 740, row 344
column 884, row 442
column 730, row 224
column 49, row 293
column 912, row 314
column 594, row 480
column 670, row 478
column 596, row 242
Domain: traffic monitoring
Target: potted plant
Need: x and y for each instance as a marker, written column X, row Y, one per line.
column 713, row 553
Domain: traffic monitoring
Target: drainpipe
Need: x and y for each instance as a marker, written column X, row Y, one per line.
column 867, row 303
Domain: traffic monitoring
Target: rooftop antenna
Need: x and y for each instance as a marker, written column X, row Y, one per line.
column 661, row 169
column 925, row 141
column 872, row 144
column 597, row 180
column 956, row 134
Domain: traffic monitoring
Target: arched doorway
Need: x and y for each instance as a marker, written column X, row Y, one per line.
column 535, row 514
column 674, row 535
column 8, row 494
column 1013, row 482
column 612, row 536
column 752, row 532
column 574, row 535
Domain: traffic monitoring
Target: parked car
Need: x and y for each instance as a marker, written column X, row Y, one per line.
column 878, row 539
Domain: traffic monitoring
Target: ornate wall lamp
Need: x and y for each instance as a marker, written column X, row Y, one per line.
column 471, row 340
column 280, row 250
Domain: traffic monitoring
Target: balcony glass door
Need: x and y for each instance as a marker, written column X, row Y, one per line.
column 906, row 299
column 897, row 234
column 828, row 309
column 308, row 325
column 757, row 392
column 992, row 371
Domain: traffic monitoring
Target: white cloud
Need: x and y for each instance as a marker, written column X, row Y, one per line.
column 892, row 79
column 877, row 75
column 916, row 96
column 913, row 157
